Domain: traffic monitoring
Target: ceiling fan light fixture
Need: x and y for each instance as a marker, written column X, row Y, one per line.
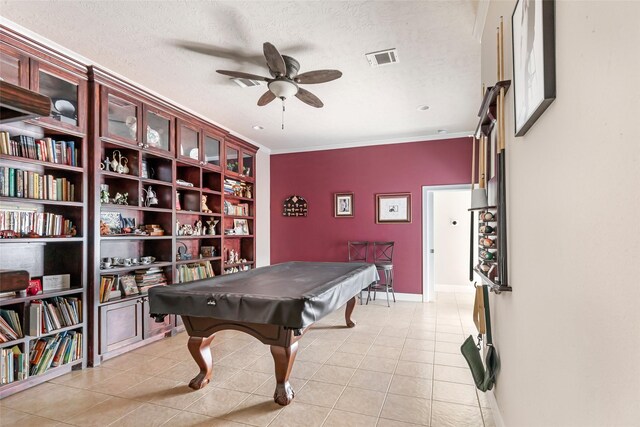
column 283, row 88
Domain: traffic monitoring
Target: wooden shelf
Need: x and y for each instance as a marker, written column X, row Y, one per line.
column 41, row 163
column 134, row 237
column 237, row 236
column 150, row 181
column 239, row 216
column 119, row 175
column 185, row 212
column 208, row 191
column 123, row 269
column 206, row 236
column 14, row 342
column 57, row 331
column 42, row 240
column 231, row 196
column 40, row 201
column 239, row 264
column 44, row 295
column 196, row 260
column 31, row 380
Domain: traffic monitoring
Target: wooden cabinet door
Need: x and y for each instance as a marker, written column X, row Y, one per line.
column 158, row 133
column 14, row 66
column 68, row 94
column 212, row 149
column 120, row 325
column 188, row 142
column 120, row 117
column 151, row 327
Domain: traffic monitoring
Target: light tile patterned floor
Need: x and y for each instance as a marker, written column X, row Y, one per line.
column 400, row 366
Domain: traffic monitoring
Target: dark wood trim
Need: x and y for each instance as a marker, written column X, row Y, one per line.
column 18, row 103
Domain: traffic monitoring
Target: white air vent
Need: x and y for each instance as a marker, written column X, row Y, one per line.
column 382, row 57
column 248, row 82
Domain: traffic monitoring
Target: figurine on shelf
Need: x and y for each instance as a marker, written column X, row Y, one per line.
column 203, row 205
column 187, row 230
column 104, row 193
column 197, row 228
column 212, row 226
column 178, row 228
column 247, row 192
column 237, row 190
column 178, row 207
column 121, row 199
column 151, row 198
column 105, row 165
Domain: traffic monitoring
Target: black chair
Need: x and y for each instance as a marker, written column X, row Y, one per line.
column 358, row 252
column 383, row 259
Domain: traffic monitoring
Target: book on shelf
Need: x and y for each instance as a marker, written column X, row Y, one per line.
column 29, row 222
column 43, row 149
column 54, row 351
column 109, row 288
column 33, row 185
column 195, row 271
column 14, row 365
column 148, row 278
column 10, row 326
column 54, row 313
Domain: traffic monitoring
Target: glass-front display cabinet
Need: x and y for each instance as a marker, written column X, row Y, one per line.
column 239, row 161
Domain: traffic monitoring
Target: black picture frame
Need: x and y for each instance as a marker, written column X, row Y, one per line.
column 534, row 61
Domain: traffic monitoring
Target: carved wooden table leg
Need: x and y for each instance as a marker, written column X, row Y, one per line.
column 347, row 312
column 283, row 358
column 201, row 353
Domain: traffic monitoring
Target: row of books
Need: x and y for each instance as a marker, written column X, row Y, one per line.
column 109, row 288
column 26, row 223
column 52, row 314
column 195, row 271
column 57, row 350
column 32, row 185
column 45, row 149
column 10, row 327
column 149, row 278
column 14, row 365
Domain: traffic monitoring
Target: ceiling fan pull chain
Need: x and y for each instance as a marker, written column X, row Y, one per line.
column 282, row 113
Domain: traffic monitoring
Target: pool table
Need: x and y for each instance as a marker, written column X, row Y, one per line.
column 275, row 304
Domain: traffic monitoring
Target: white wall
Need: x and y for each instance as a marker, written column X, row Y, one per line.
column 451, row 242
column 263, row 221
column 569, row 335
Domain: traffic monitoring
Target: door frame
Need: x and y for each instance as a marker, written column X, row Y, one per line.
column 428, row 277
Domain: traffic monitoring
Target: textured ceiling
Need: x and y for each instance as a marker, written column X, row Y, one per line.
column 146, row 41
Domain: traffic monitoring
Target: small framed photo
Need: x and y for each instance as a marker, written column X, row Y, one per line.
column 343, row 205
column 241, row 226
column 393, row 208
column 208, row 251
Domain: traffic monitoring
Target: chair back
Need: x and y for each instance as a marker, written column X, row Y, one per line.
column 383, row 252
column 358, row 251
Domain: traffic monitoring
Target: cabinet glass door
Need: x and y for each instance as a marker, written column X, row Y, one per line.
column 158, row 131
column 247, row 164
column 188, row 143
column 232, row 159
column 122, row 118
column 211, row 151
column 64, row 97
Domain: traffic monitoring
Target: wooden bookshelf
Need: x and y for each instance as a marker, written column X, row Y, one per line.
column 63, row 83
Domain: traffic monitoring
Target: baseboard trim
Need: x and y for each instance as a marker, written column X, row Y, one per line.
column 495, row 410
column 409, row 297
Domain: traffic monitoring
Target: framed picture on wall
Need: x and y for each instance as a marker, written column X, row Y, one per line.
column 393, row 208
column 343, row 205
column 534, row 61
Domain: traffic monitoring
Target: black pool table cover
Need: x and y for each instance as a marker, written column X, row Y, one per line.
column 293, row 294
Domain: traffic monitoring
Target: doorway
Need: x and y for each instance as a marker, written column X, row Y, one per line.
column 446, row 224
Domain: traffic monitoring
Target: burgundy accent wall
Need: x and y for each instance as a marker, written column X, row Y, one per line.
column 365, row 171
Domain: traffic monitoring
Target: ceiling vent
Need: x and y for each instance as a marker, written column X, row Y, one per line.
column 248, row 82
column 382, row 57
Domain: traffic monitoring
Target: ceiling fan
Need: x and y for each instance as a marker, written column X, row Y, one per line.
column 285, row 80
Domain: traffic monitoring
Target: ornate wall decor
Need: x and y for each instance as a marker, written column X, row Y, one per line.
column 294, row 206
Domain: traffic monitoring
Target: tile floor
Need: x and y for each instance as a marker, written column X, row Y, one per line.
column 400, row 366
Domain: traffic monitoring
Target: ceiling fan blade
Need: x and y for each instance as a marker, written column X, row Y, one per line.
column 242, row 75
column 274, row 59
column 266, row 98
column 309, row 98
column 319, row 76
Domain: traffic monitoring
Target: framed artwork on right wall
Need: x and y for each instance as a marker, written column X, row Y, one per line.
column 393, row 208
column 534, row 60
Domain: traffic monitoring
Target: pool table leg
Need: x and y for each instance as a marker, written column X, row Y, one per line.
column 283, row 358
column 347, row 313
column 201, row 353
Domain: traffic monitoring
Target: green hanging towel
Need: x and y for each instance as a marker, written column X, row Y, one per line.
column 484, row 377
